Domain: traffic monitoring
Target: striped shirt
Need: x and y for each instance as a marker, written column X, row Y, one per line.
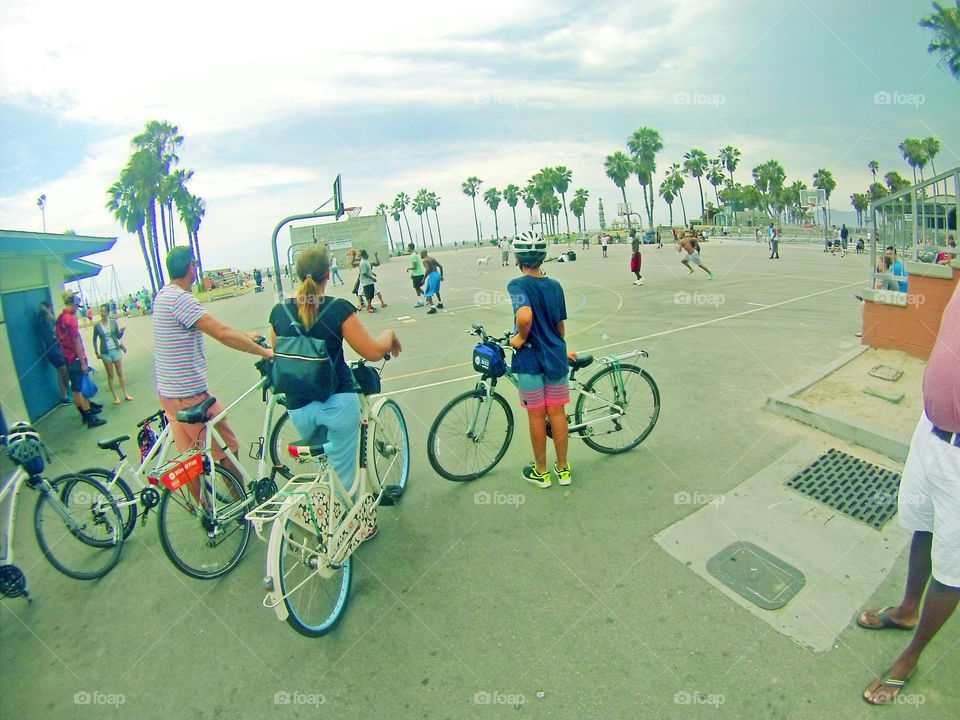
column 179, row 358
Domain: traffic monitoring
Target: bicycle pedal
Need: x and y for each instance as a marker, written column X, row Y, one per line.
column 391, row 495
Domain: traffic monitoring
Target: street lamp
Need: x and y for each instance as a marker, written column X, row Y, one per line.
column 42, row 203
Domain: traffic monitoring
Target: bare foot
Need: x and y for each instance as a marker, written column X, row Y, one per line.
column 129, row 398
column 116, row 401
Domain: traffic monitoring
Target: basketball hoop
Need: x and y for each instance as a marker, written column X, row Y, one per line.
column 352, row 212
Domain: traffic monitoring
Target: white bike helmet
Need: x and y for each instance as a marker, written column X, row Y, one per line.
column 24, row 447
column 530, row 249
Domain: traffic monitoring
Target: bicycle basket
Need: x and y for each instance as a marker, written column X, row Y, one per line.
column 488, row 358
column 367, row 380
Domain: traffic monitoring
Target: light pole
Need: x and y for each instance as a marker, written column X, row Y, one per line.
column 42, row 203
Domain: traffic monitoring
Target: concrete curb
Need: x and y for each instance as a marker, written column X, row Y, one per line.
column 846, row 428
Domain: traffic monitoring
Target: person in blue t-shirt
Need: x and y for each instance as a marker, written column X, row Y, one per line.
column 540, row 360
column 897, row 268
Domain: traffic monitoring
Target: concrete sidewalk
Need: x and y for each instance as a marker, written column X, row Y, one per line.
column 560, row 606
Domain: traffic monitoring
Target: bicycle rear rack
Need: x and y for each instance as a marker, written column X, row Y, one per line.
column 618, row 357
column 296, row 489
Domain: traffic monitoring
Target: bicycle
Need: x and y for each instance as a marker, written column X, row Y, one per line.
column 200, row 509
column 318, row 524
column 76, row 521
column 614, row 411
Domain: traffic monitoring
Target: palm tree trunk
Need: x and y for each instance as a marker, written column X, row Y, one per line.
column 623, row 191
column 146, row 259
column 196, row 249
column 163, row 223
column 389, row 234
column 476, row 220
column 173, row 242
column 407, row 221
column 514, row 208
column 682, row 207
column 703, row 209
column 584, row 214
column 423, row 235
column 566, row 217
column 439, row 234
column 670, row 205
column 496, row 225
column 154, row 242
column 429, row 226
column 400, row 227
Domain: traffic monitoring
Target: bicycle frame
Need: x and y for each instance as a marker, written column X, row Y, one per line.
column 320, row 504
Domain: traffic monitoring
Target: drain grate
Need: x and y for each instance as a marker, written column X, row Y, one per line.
column 860, row 490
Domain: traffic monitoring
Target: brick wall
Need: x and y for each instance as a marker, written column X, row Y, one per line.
column 912, row 329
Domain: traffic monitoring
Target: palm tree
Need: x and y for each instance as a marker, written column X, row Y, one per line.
column 434, row 201
column 163, row 140
column 731, row 158
column 529, row 199
column 511, row 194
column 191, row 213
column 382, row 210
column 492, row 198
column 128, row 210
column 470, row 187
column 395, row 214
column 173, row 188
column 42, row 204
column 768, row 177
column 896, row 182
column 419, row 205
column 583, row 195
column 675, row 178
column 695, row 164
column 877, row 191
column 144, row 173
column 644, row 144
column 618, row 168
column 715, row 176
column 401, row 201
column 873, row 166
column 931, row 148
column 913, row 152
column 860, row 203
column 666, row 192
column 945, row 24
column 823, row 179
column 561, row 182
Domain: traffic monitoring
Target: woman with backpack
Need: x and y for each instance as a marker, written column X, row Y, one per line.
column 332, row 320
column 108, row 346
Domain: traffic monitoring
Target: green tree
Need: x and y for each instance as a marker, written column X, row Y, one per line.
column 144, row 172
column 715, row 176
column 192, row 209
column 666, row 192
column 896, row 182
column 695, row 164
column 492, row 198
column 873, row 166
column 401, row 201
column 876, row 191
column 395, row 214
column 529, row 197
column 511, row 195
column 861, row 204
column 675, row 178
column 618, row 168
column 129, row 210
column 582, row 195
column 561, row 183
column 823, row 179
column 382, row 210
column 470, row 187
column 914, row 152
column 768, row 178
column 434, row 201
column 731, row 158
column 163, row 140
column 420, row 206
column 945, row 24
column 644, row 145
column 931, row 148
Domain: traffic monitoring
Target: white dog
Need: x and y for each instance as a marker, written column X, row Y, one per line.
column 483, row 262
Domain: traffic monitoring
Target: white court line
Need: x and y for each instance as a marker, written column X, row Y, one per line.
column 760, row 304
column 652, row 335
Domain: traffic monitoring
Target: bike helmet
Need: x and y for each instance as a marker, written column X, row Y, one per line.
column 24, row 447
column 530, row 249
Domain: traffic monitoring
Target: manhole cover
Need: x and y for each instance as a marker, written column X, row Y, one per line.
column 863, row 492
column 885, row 372
column 756, row 575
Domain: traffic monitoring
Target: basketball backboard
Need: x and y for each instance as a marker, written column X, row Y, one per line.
column 338, row 198
column 624, row 209
column 813, row 198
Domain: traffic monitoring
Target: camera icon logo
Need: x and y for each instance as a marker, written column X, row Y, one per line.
column 481, row 698
column 82, row 698
column 682, row 298
column 682, row 698
column 681, row 98
column 881, row 97
column 482, row 497
column 281, row 698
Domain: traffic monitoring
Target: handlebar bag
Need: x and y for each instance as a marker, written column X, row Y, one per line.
column 489, row 359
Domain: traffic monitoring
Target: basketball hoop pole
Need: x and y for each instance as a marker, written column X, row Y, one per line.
column 276, row 232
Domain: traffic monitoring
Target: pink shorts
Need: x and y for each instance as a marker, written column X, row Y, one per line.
column 536, row 392
column 186, row 436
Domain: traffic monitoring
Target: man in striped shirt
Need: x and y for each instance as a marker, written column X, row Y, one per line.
column 179, row 323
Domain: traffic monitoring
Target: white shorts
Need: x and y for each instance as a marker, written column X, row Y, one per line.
column 693, row 257
column 929, row 498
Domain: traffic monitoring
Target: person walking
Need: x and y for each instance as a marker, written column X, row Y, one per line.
column 540, row 358
column 604, row 241
column 635, row 257
column 844, row 234
column 504, row 251
column 417, row 273
column 71, row 346
column 180, row 362
column 929, row 506
column 774, row 238
column 335, row 271
column 333, row 320
column 46, row 329
column 109, row 348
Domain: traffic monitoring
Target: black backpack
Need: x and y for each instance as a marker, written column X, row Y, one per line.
column 301, row 364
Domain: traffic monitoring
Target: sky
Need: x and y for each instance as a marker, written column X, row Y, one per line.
column 274, row 100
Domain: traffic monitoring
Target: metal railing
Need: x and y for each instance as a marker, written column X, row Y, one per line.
column 917, row 222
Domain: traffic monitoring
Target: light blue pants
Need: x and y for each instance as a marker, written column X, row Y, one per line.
column 341, row 414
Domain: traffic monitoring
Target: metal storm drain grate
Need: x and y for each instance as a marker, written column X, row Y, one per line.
column 863, row 492
column 755, row 574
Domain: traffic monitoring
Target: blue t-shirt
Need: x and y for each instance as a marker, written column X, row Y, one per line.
column 546, row 351
column 899, row 271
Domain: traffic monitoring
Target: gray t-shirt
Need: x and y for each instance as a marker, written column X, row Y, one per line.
column 366, row 273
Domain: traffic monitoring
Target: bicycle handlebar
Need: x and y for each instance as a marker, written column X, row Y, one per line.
column 503, row 340
column 152, row 418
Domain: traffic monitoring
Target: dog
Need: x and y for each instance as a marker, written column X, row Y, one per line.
column 483, row 262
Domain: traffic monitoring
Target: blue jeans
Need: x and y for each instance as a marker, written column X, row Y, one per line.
column 341, row 415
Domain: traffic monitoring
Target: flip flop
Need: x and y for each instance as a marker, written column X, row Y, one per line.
column 891, row 683
column 883, row 617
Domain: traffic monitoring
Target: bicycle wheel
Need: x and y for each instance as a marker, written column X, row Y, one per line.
column 390, row 447
column 282, row 435
column 197, row 543
column 117, row 486
column 316, row 605
column 459, row 455
column 638, row 397
column 92, row 548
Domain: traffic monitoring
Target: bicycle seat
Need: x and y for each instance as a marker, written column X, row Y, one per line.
column 112, row 443
column 197, row 413
column 580, row 361
column 309, row 447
